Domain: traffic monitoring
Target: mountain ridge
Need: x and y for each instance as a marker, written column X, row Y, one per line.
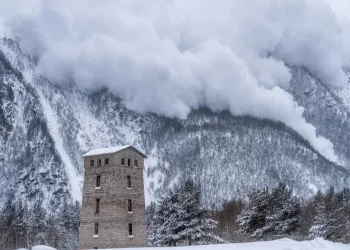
column 229, row 155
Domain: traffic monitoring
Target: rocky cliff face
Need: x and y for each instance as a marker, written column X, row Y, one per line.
column 31, row 167
column 45, row 128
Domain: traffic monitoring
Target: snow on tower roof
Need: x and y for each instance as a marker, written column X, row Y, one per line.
column 102, row 151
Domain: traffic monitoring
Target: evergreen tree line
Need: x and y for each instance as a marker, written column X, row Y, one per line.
column 276, row 213
column 179, row 219
column 24, row 227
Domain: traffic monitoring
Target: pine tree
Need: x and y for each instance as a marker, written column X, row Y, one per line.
column 68, row 225
column 19, row 225
column 326, row 223
column 254, row 217
column 23, row 227
column 283, row 212
column 332, row 221
column 166, row 219
column 179, row 218
column 150, row 222
column 271, row 214
column 192, row 226
column 8, row 217
column 343, row 232
column 37, row 224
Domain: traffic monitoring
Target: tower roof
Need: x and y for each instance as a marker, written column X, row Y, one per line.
column 111, row 150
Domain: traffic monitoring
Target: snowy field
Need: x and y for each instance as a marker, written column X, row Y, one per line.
column 283, row 244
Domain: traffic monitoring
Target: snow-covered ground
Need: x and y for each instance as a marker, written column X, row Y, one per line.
column 283, row 244
column 39, row 248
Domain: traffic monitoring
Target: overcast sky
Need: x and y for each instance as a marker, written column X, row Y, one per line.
column 170, row 57
column 10, row 7
column 340, row 6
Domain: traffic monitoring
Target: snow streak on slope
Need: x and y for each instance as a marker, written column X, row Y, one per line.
column 76, row 179
column 152, row 176
column 29, row 74
column 344, row 93
column 31, row 168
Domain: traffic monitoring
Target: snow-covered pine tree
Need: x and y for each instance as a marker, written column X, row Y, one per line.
column 150, row 222
column 21, row 227
column 165, row 220
column 254, row 217
column 343, row 232
column 325, row 222
column 157, row 235
column 68, row 225
column 332, row 221
column 192, row 225
column 307, row 216
column 37, row 224
column 283, row 212
column 13, row 225
column 19, row 224
column 271, row 214
column 179, row 218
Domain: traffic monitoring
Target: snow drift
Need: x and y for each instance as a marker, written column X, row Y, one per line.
column 282, row 244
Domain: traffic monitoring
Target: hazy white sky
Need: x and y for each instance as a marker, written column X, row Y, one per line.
column 340, row 6
column 11, row 7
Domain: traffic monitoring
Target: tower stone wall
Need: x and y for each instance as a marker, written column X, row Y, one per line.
column 115, row 195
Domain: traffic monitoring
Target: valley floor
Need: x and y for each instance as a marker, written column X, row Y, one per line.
column 283, row 244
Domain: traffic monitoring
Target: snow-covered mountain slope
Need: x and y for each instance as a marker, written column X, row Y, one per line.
column 45, row 128
column 327, row 109
column 30, row 163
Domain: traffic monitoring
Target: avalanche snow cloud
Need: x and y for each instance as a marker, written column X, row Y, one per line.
column 169, row 57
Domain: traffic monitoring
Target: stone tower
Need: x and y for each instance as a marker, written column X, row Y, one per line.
column 113, row 208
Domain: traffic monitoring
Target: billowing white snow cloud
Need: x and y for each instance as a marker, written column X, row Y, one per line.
column 169, row 57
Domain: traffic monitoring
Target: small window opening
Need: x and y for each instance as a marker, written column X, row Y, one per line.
column 130, row 229
column 128, row 178
column 129, row 206
column 123, row 161
column 99, row 162
column 136, row 163
column 97, row 206
column 96, row 228
column 129, row 162
column 98, row 181
column 92, row 163
column 106, row 162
